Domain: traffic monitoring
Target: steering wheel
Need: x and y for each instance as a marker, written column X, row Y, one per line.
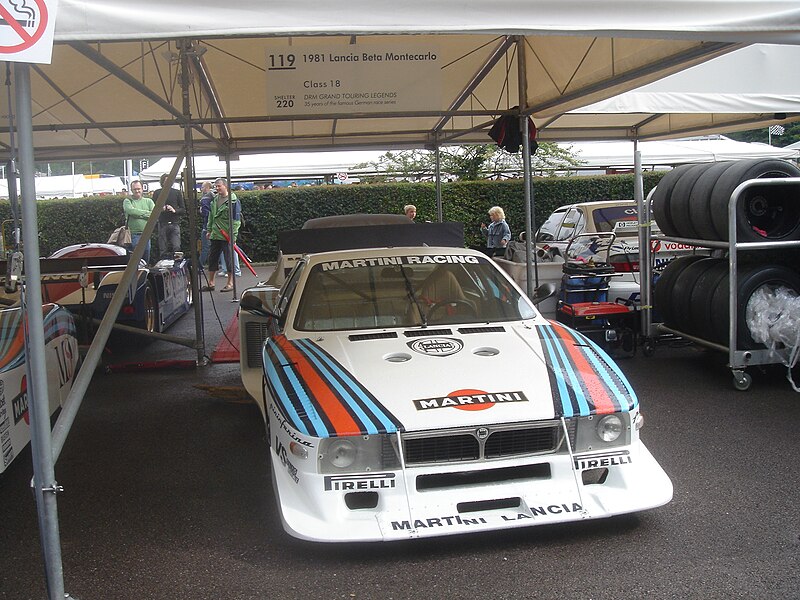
column 458, row 302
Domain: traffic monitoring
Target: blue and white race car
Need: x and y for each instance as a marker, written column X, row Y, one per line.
column 416, row 391
column 162, row 293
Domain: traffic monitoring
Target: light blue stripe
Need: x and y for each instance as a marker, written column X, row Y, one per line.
column 583, row 403
column 319, row 427
column 273, row 377
column 355, row 387
column 566, row 404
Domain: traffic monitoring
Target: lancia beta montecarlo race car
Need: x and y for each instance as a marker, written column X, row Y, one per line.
column 415, row 391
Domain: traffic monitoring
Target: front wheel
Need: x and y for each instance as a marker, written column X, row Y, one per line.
column 150, row 320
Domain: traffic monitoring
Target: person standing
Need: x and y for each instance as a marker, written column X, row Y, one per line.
column 219, row 221
column 411, row 211
column 205, row 209
column 137, row 210
column 498, row 233
column 169, row 221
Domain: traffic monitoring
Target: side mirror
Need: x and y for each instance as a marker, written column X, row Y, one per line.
column 252, row 303
column 543, row 292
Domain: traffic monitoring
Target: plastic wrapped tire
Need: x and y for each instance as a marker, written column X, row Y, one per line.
column 662, row 291
column 750, row 279
column 660, row 200
column 764, row 214
column 700, row 200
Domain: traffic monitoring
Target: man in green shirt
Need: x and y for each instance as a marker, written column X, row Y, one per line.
column 137, row 210
column 219, row 221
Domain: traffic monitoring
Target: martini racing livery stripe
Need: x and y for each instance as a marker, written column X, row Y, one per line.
column 12, row 348
column 12, row 352
column 316, row 393
column 583, row 380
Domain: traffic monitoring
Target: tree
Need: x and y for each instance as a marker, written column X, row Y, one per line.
column 466, row 163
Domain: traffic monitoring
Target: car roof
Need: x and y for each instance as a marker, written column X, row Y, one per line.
column 357, row 220
column 598, row 204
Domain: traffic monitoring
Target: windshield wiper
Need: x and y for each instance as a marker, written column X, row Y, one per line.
column 410, row 291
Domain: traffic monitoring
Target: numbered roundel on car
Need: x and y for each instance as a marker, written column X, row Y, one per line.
column 436, row 346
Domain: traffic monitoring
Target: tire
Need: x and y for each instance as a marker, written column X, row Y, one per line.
column 762, row 214
column 679, row 201
column 750, row 279
column 660, row 201
column 700, row 201
column 150, row 320
column 189, row 277
column 700, row 307
column 681, row 295
column 663, row 288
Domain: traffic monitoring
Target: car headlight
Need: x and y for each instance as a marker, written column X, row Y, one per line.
column 358, row 454
column 342, row 453
column 609, row 428
column 597, row 432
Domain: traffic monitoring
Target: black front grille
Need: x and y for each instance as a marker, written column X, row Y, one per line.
column 512, row 442
column 469, row 445
column 441, row 449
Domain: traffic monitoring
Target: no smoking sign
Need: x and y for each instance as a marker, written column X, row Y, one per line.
column 26, row 30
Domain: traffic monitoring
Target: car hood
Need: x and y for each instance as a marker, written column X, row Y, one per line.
column 345, row 383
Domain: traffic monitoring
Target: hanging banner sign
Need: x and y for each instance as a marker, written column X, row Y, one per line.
column 26, row 30
column 366, row 78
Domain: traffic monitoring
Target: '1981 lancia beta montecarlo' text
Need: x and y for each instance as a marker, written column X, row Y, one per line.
column 412, row 392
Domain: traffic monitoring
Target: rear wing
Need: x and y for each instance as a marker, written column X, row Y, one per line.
column 58, row 266
column 310, row 241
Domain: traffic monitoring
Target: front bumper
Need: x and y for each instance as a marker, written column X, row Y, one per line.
column 315, row 507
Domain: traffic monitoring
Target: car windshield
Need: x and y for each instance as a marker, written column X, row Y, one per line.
column 407, row 291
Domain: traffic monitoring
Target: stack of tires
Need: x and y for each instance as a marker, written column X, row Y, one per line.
column 692, row 294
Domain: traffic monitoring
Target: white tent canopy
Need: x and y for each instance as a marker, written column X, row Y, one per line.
column 745, row 89
column 71, row 186
column 593, row 156
column 619, row 154
column 114, row 89
column 286, row 165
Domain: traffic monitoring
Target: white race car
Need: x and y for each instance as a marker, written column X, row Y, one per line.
column 416, row 392
column 564, row 224
column 62, row 358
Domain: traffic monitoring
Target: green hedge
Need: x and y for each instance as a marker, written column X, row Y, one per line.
column 65, row 222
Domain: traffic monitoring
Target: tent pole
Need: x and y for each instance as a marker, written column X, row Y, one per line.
column 11, row 172
column 438, row 155
column 191, row 201
column 645, row 270
column 526, row 166
column 45, row 487
column 231, row 241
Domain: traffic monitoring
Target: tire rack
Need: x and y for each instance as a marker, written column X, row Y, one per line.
column 738, row 360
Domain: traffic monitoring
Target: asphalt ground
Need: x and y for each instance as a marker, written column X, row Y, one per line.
column 168, row 495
